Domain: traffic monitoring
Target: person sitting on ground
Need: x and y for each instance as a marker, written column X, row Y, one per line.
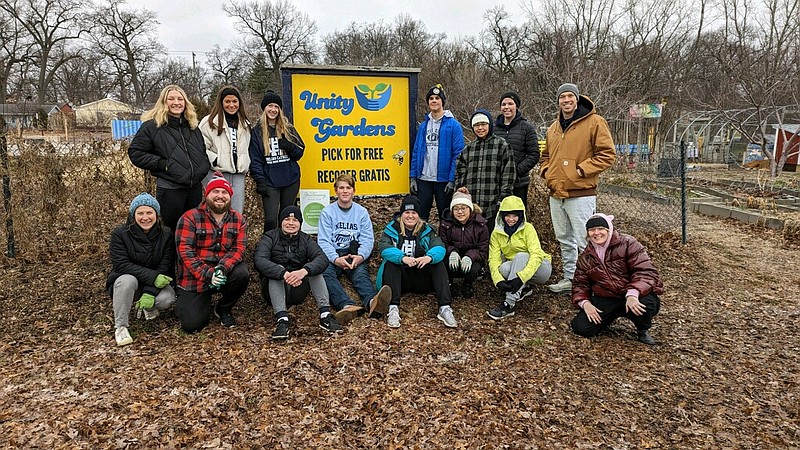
column 516, row 258
column 211, row 240
column 346, row 237
column 466, row 238
column 290, row 264
column 413, row 256
column 142, row 265
column 614, row 278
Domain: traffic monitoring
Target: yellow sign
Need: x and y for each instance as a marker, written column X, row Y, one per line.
column 353, row 123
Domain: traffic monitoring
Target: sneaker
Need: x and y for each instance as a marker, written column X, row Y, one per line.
column 281, row 331
column 329, row 324
column 446, row 316
column 526, row 291
column 225, row 318
column 150, row 314
column 347, row 314
column 380, row 303
column 393, row 318
column 645, row 338
column 562, row 287
column 467, row 291
column 501, row 312
column 122, row 336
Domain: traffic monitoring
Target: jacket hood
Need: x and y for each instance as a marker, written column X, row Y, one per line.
column 585, row 108
column 487, row 114
column 511, row 203
column 447, row 113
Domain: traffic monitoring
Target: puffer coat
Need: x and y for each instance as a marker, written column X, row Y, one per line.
column 469, row 239
column 278, row 253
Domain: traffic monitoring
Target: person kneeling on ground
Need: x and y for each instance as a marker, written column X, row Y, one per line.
column 345, row 236
column 290, row 264
column 142, row 263
column 211, row 240
column 614, row 278
column 413, row 256
column 516, row 258
column 466, row 239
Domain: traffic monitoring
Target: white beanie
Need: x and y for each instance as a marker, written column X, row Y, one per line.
column 460, row 198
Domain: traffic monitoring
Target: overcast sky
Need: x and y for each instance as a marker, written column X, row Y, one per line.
column 184, row 28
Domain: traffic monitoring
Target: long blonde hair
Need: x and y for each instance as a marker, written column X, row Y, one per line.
column 160, row 111
column 417, row 228
column 282, row 128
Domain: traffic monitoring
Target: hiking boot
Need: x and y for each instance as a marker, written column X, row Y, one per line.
column 347, row 314
column 380, row 303
column 225, row 318
column 562, row 287
column 150, row 314
column 329, row 324
column 446, row 316
column 467, row 291
column 526, row 291
column 645, row 338
column 122, row 336
column 281, row 331
column 393, row 318
column 501, row 312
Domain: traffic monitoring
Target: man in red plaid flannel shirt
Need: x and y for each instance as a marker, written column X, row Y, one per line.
column 211, row 240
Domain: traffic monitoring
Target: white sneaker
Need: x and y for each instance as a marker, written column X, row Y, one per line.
column 122, row 336
column 393, row 318
column 446, row 316
column 150, row 314
column 562, row 287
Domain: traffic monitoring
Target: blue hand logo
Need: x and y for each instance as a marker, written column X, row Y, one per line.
column 373, row 99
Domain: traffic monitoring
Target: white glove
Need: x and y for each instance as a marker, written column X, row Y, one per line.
column 466, row 264
column 218, row 279
column 454, row 261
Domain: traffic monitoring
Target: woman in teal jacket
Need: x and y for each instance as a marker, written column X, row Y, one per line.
column 413, row 256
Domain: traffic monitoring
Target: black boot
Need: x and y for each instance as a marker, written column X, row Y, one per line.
column 645, row 338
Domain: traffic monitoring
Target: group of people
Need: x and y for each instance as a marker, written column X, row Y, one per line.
column 480, row 190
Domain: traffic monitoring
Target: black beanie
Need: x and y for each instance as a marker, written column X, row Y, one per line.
column 271, row 97
column 436, row 90
column 289, row 211
column 513, row 96
column 230, row 90
column 410, row 203
column 596, row 221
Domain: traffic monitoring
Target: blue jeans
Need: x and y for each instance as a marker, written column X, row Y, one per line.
column 361, row 282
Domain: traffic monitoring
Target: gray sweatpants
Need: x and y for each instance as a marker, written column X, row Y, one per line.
column 569, row 217
column 510, row 268
column 277, row 293
column 126, row 291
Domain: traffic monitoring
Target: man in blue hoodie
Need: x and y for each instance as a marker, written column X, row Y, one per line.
column 439, row 141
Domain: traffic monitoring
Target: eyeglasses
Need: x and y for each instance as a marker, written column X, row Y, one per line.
column 460, row 208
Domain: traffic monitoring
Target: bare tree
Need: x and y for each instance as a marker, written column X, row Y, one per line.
column 127, row 38
column 14, row 50
column 49, row 23
column 502, row 45
column 277, row 29
column 227, row 65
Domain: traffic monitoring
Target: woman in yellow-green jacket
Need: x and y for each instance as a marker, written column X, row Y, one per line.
column 516, row 258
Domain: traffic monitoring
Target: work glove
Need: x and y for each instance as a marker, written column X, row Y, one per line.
column 262, row 188
column 466, row 264
column 146, row 301
column 450, row 188
column 454, row 261
column 162, row 281
column 285, row 145
column 219, row 278
column 413, row 186
column 504, row 286
column 514, row 285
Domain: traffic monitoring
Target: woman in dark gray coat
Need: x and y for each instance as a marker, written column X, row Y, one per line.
column 512, row 126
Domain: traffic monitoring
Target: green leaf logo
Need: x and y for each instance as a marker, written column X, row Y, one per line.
column 363, row 88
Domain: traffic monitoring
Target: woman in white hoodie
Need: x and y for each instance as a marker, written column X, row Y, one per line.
column 226, row 132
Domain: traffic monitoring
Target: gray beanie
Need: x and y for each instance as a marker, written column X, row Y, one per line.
column 568, row 87
column 144, row 199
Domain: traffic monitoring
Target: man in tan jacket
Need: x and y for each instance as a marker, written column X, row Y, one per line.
column 578, row 148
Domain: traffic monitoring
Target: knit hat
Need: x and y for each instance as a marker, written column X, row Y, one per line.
column 436, row 90
column 291, row 211
column 599, row 220
column 230, row 90
column 410, row 203
column 144, row 199
column 513, row 96
column 461, row 198
column 477, row 118
column 218, row 182
column 271, row 97
column 568, row 87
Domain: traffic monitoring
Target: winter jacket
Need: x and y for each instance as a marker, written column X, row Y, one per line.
column 486, row 169
column 275, row 166
column 278, row 253
column 524, row 240
column 451, row 142
column 173, row 152
column 521, row 136
column 391, row 242
column 143, row 255
column 626, row 265
column 585, row 144
column 468, row 239
column 218, row 147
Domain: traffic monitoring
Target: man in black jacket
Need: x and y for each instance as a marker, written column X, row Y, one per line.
column 291, row 264
column 512, row 126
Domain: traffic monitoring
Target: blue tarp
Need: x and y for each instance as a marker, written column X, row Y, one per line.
column 124, row 129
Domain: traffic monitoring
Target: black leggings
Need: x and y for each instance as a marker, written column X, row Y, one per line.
column 432, row 277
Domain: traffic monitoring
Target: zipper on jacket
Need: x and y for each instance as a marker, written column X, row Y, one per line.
column 186, row 149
